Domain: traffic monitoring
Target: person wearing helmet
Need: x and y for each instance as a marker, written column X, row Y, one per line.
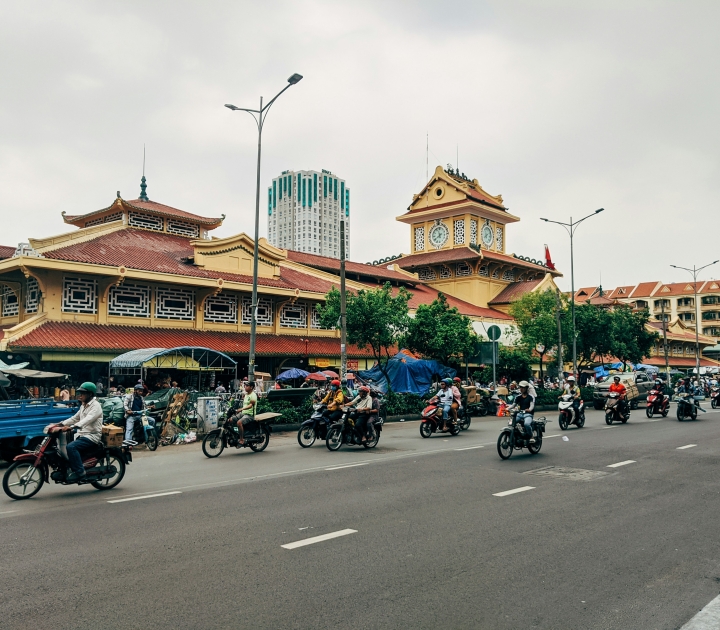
column 462, row 391
column 88, row 421
column 334, row 400
column 445, row 400
column 526, row 408
column 572, row 388
column 134, row 404
column 621, row 390
column 362, row 410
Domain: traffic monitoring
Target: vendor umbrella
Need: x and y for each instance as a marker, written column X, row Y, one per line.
column 318, row 376
column 330, row 373
column 290, row 374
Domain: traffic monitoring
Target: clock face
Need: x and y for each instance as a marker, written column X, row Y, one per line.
column 487, row 235
column 439, row 234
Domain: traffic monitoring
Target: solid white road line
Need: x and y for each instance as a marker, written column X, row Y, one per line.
column 680, row 448
column 547, row 437
column 348, row 466
column 147, row 496
column 469, row 448
column 707, row 619
column 317, row 539
column 515, row 491
column 625, row 463
column 8, row 512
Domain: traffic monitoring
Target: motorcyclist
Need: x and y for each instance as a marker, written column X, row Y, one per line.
column 445, row 400
column 526, row 407
column 659, row 387
column 246, row 413
column 573, row 390
column 134, row 404
column 463, row 392
column 334, row 400
column 457, row 402
column 88, row 421
column 621, row 390
column 362, row 410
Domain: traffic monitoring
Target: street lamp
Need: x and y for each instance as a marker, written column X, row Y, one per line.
column 260, row 120
column 694, row 271
column 570, row 229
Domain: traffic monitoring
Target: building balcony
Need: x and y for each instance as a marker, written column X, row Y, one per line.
column 684, row 308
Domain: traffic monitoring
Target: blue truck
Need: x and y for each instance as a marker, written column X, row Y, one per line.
column 22, row 422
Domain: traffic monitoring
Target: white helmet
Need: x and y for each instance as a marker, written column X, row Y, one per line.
column 571, row 379
column 523, row 384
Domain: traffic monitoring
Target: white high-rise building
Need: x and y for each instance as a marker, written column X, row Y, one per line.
column 304, row 212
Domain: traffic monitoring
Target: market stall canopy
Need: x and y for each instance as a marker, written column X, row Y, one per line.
column 182, row 357
column 22, row 373
column 407, row 374
column 290, row 374
column 318, row 376
column 330, row 373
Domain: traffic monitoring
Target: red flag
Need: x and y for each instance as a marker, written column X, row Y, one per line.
column 548, row 261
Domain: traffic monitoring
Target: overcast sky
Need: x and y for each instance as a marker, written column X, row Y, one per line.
column 560, row 106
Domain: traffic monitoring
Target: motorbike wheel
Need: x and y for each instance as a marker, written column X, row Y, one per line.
column 535, row 448
column 465, row 421
column 22, row 480
column 373, row 440
column 649, row 412
column 152, row 440
column 213, row 444
column 665, row 412
column 624, row 419
column 306, row 436
column 562, row 421
column 693, row 414
column 504, row 445
column 454, row 428
column 110, row 482
column 608, row 417
column 259, row 447
column 581, row 421
column 713, row 403
column 680, row 414
column 482, row 408
column 425, row 429
column 334, row 439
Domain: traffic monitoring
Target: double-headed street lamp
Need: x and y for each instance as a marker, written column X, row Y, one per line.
column 698, row 315
column 570, row 229
column 262, row 113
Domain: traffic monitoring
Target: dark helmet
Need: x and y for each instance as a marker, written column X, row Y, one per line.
column 139, row 386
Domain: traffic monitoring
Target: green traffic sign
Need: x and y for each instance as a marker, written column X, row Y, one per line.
column 494, row 333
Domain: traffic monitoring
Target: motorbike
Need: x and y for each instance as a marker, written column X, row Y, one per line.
column 314, row 428
column 256, row 435
column 513, row 436
column 714, row 397
column 464, row 418
column 344, row 432
column 657, row 403
column 568, row 414
column 432, row 420
column 145, row 432
column 613, row 409
column 104, row 467
column 687, row 406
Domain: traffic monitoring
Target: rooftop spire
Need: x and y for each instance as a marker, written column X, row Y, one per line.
column 143, row 181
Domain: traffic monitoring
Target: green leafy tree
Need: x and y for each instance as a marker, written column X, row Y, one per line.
column 513, row 363
column 376, row 319
column 535, row 317
column 594, row 327
column 440, row 332
column 631, row 340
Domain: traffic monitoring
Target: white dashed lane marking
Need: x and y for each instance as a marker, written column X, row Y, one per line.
column 625, row 463
column 317, row 539
column 514, row 491
column 469, row 448
column 347, row 466
column 147, row 496
column 680, row 448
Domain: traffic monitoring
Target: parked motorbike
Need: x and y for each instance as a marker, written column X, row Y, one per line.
column 657, row 403
column 568, row 414
column 513, row 436
column 614, row 409
column 687, row 406
column 314, row 428
column 104, row 467
column 345, row 432
column 432, row 421
column 256, row 435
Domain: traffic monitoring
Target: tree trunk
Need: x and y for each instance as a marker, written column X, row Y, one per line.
column 542, row 379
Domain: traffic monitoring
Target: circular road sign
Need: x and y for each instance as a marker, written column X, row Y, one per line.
column 494, row 333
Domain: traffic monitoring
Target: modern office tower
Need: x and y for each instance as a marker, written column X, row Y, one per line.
column 304, row 212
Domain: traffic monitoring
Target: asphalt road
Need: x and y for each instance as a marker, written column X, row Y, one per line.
column 419, row 537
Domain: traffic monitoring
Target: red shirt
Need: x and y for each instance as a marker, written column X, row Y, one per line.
column 619, row 388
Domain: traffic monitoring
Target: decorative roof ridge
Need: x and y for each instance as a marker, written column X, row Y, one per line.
column 81, row 235
column 326, row 275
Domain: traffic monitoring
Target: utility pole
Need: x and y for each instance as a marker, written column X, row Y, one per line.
column 561, row 375
column 343, row 314
column 667, row 361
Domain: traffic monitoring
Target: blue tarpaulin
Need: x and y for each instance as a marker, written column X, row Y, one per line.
column 604, row 370
column 292, row 373
column 407, row 374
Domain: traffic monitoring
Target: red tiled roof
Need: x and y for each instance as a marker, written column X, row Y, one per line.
column 677, row 288
column 6, row 251
column 98, row 337
column 457, row 254
column 514, row 291
column 333, row 265
column 620, row 292
column 688, row 335
column 423, row 294
column 154, row 208
column 517, row 261
column 166, row 253
column 644, row 289
column 680, row 362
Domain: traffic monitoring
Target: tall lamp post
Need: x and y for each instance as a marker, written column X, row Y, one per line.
column 259, row 115
column 570, row 229
column 694, row 271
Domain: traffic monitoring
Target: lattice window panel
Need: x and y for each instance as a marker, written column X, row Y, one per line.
column 463, row 269
column 172, row 303
column 182, row 228
column 496, row 273
column 146, row 221
column 79, row 296
column 32, row 296
column 508, row 275
column 427, row 273
column 129, row 300
column 115, row 216
column 264, row 311
column 10, row 304
column 483, row 271
column 473, row 232
column 315, row 317
column 293, row 316
column 221, row 309
column 498, row 239
column 521, row 278
column 445, row 272
column 419, row 239
column 459, row 231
